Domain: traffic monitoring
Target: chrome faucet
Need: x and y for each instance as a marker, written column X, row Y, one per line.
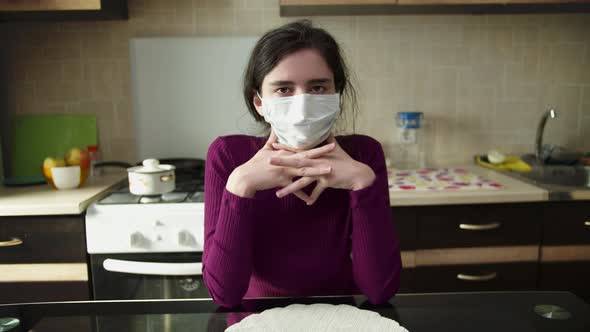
column 539, row 139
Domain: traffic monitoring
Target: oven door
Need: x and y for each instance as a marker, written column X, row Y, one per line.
column 147, row 276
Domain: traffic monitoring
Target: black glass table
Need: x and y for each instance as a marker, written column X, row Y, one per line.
column 489, row 311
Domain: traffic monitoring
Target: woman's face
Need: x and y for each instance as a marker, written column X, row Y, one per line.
column 304, row 71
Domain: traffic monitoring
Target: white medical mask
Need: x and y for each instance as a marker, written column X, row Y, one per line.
column 301, row 121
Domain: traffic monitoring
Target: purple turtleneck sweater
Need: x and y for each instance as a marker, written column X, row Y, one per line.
column 343, row 244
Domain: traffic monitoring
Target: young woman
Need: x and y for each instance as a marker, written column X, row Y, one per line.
column 300, row 212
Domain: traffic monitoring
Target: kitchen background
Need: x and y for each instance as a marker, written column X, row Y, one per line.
column 481, row 81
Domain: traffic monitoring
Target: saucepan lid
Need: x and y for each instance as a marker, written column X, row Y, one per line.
column 151, row 166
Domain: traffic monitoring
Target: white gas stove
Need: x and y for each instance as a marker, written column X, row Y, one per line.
column 148, row 247
column 124, row 223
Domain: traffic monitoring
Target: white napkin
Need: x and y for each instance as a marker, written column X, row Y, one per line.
column 315, row 318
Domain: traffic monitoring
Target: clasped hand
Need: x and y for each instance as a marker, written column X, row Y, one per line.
column 277, row 165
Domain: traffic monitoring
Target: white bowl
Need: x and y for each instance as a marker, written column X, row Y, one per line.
column 67, row 177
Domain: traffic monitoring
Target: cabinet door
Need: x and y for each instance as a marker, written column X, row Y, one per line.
column 43, row 258
column 385, row 7
column 565, row 250
column 406, row 284
column 335, row 2
column 482, row 225
column 61, row 10
column 450, row 2
column 404, row 221
column 41, row 239
column 21, row 292
column 566, row 223
column 567, row 276
column 477, row 277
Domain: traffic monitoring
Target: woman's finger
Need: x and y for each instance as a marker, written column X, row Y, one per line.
column 295, row 186
column 289, row 161
column 315, row 153
column 319, row 188
column 332, row 139
column 309, row 171
column 302, row 196
column 272, row 138
column 280, row 146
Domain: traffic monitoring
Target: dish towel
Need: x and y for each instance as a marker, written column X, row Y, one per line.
column 438, row 179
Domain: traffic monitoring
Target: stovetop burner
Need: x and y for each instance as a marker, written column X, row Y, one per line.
column 188, row 189
column 172, row 197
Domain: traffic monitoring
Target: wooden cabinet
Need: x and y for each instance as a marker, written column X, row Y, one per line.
column 43, row 258
column 478, row 226
column 566, row 223
column 60, row 10
column 565, row 250
column 481, row 247
column 384, row 7
column 476, row 277
column 404, row 220
column 490, row 247
column 53, row 239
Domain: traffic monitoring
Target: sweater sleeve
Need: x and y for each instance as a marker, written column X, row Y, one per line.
column 375, row 256
column 227, row 253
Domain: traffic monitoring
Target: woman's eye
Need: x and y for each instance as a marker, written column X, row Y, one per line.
column 318, row 89
column 283, row 91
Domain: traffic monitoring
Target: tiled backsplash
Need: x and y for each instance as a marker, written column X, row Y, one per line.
column 481, row 80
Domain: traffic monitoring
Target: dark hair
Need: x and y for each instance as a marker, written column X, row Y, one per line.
column 276, row 44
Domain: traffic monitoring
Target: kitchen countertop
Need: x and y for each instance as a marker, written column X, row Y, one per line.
column 491, row 311
column 44, row 200
column 512, row 191
column 563, row 193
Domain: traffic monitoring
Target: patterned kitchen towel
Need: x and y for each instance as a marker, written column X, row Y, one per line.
column 438, row 179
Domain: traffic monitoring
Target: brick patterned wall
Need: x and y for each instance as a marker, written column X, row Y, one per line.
column 482, row 81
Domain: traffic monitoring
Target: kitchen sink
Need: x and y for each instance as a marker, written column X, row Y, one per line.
column 571, row 176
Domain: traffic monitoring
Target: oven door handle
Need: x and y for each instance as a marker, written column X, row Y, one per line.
column 153, row 268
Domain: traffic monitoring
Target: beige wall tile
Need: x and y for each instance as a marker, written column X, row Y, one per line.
column 105, row 118
column 73, row 70
column 28, row 106
column 43, row 71
column 106, row 79
column 584, row 137
column 57, row 91
column 122, row 149
column 586, row 98
column 123, row 125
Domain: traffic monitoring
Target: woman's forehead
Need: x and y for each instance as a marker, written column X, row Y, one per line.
column 299, row 68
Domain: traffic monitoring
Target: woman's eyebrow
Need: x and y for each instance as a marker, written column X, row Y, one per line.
column 309, row 82
column 279, row 83
column 319, row 81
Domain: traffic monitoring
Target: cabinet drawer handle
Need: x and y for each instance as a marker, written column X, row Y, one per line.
column 480, row 227
column 11, row 243
column 470, row 277
column 587, row 223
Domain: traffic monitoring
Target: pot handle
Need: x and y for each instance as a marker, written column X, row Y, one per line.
column 113, row 164
column 167, row 178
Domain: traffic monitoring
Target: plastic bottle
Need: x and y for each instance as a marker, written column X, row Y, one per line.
column 94, row 158
column 408, row 129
